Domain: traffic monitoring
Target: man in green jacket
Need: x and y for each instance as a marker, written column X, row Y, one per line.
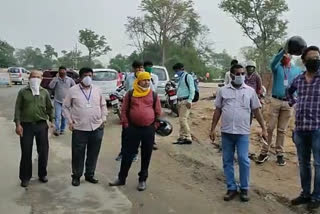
column 33, row 109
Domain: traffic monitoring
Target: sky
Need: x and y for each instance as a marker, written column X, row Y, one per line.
column 57, row 22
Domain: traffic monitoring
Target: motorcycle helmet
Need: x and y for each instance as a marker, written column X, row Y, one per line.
column 296, row 45
column 165, row 128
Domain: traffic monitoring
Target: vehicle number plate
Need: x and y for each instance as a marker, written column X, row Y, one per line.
column 114, row 102
column 174, row 97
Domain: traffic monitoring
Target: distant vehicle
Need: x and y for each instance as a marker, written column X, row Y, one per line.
column 48, row 76
column 107, row 80
column 164, row 78
column 18, row 75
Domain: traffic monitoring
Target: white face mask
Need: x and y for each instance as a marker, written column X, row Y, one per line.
column 239, row 80
column 144, row 89
column 87, row 81
column 35, row 86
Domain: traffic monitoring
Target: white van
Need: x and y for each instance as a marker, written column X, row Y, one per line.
column 18, row 75
column 163, row 76
column 106, row 79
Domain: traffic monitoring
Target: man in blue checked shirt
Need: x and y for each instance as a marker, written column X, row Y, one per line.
column 307, row 132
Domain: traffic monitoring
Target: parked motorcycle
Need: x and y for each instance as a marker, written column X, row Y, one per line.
column 116, row 99
column 172, row 98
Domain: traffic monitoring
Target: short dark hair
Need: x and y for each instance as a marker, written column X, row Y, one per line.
column 136, row 64
column 178, row 66
column 235, row 67
column 62, row 68
column 308, row 49
column 234, row 62
column 84, row 71
column 147, row 63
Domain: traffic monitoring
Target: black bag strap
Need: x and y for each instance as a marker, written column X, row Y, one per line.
column 186, row 80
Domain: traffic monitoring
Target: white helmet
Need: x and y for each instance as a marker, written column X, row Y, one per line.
column 251, row 64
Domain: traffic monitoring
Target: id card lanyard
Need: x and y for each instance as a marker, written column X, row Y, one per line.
column 88, row 105
column 286, row 76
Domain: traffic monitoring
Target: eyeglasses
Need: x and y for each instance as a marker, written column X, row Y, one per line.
column 239, row 74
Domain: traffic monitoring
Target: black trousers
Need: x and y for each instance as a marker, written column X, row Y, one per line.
column 82, row 141
column 135, row 136
column 38, row 130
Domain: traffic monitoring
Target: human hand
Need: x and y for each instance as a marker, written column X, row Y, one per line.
column 19, row 130
column 264, row 134
column 71, row 126
column 213, row 135
column 189, row 105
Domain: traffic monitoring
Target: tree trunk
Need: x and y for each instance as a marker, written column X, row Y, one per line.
column 90, row 58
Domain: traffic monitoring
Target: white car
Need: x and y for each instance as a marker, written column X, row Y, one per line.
column 163, row 77
column 106, row 79
column 18, row 75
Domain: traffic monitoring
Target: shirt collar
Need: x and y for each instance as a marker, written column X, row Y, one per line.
column 241, row 87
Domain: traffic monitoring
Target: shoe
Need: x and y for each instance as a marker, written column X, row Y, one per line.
column 185, row 142
column 262, row 158
column 313, row 204
column 25, row 183
column 119, row 157
column 281, row 161
column 56, row 134
column 142, row 186
column 300, row 200
column 230, row 195
column 62, row 133
column 135, row 158
column 43, row 179
column 155, row 147
column 117, row 183
column 92, row 180
column 179, row 140
column 244, row 195
column 75, row 182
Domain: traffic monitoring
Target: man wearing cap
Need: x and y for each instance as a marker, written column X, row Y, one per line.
column 141, row 107
column 283, row 72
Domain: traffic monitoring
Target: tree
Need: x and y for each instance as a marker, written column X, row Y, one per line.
column 164, row 21
column 96, row 45
column 6, row 55
column 221, row 60
column 30, row 57
column 120, row 62
column 261, row 21
column 49, row 52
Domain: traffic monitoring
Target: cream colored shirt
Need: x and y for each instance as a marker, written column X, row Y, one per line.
column 86, row 111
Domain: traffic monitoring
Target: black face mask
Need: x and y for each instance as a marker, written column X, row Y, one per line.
column 312, row 65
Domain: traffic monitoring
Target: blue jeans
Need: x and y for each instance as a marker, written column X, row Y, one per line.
column 307, row 141
column 229, row 143
column 60, row 121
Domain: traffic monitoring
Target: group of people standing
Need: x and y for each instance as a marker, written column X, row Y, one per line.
column 293, row 90
column 82, row 108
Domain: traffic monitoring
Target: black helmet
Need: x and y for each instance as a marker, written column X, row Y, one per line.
column 296, row 45
column 165, row 128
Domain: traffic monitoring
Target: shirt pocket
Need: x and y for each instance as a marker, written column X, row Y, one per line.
column 245, row 101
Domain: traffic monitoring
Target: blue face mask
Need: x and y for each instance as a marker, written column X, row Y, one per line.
column 239, row 80
column 179, row 73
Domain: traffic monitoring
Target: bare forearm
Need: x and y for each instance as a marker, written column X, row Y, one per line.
column 259, row 117
column 215, row 118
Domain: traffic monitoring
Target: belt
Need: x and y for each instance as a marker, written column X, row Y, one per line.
column 181, row 99
column 280, row 98
column 34, row 123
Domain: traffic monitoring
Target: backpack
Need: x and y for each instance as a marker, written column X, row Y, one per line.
column 196, row 95
column 154, row 95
